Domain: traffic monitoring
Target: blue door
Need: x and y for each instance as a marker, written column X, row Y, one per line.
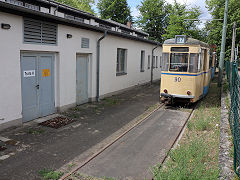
column 82, row 79
column 37, row 78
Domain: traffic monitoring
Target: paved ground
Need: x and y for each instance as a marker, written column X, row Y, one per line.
column 41, row 147
column 133, row 156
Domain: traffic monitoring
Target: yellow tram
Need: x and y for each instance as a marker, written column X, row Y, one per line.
column 188, row 66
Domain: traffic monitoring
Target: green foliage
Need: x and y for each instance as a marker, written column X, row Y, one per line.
column 196, row 156
column 116, row 10
column 188, row 162
column 35, row 131
column 179, row 26
column 50, row 174
column 84, row 5
column 154, row 18
column 214, row 28
column 163, row 21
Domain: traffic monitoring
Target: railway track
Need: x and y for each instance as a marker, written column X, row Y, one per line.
column 143, row 119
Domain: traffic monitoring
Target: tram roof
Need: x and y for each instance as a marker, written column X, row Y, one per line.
column 190, row 41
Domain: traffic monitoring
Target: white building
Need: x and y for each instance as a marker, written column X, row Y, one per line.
column 49, row 55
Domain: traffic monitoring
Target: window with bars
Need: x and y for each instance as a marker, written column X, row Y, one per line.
column 121, row 68
column 39, row 32
column 142, row 61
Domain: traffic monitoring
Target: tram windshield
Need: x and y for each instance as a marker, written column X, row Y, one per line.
column 179, row 62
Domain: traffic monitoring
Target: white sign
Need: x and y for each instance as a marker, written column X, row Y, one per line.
column 30, row 73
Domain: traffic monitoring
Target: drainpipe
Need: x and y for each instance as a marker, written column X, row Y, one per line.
column 158, row 44
column 98, row 64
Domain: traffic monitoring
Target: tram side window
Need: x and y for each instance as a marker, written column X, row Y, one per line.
column 194, row 66
column 210, row 60
column 179, row 62
column 165, row 61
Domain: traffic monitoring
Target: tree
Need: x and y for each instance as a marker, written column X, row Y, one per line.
column 214, row 28
column 178, row 25
column 154, row 18
column 84, row 5
column 116, row 10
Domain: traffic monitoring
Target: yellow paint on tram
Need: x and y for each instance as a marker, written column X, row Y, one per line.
column 187, row 68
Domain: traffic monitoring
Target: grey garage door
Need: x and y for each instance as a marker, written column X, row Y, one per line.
column 37, row 85
column 82, row 79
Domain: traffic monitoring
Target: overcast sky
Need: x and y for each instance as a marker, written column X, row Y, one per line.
column 201, row 3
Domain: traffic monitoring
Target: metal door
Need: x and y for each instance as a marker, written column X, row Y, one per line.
column 46, row 85
column 82, row 79
column 37, row 86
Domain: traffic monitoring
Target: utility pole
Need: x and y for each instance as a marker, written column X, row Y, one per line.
column 222, row 54
column 233, row 49
column 233, row 41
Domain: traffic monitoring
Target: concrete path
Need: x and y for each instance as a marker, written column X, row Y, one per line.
column 143, row 147
column 46, row 148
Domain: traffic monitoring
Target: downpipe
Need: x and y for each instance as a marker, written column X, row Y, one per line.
column 98, row 65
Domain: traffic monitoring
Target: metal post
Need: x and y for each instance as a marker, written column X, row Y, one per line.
column 233, row 41
column 222, row 54
column 232, row 50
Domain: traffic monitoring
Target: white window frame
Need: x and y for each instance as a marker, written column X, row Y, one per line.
column 149, row 61
column 120, row 71
column 154, row 58
column 142, row 61
column 156, row 61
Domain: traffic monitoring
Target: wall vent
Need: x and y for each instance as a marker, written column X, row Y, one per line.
column 15, row 2
column 31, row 6
column 79, row 19
column 39, row 32
column 85, row 43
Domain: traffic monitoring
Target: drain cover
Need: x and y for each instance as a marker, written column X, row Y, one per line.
column 57, row 122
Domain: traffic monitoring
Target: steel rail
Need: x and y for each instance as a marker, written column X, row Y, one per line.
column 111, row 143
column 179, row 135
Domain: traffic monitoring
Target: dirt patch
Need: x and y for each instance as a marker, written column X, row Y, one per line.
column 57, row 122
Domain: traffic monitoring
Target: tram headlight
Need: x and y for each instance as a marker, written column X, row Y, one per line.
column 189, row 93
column 165, row 91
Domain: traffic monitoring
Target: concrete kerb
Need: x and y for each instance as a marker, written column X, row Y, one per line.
column 69, row 168
column 225, row 160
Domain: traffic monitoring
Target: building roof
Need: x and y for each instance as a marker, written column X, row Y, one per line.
column 190, row 41
column 63, row 14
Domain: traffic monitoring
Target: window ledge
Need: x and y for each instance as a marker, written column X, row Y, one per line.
column 121, row 74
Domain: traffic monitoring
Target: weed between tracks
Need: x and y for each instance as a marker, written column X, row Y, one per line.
column 50, row 174
column 196, row 156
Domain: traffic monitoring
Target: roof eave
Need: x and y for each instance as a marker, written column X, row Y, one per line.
column 18, row 10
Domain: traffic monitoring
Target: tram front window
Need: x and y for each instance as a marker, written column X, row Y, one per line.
column 179, row 62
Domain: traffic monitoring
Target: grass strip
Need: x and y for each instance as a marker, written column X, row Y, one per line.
column 196, row 156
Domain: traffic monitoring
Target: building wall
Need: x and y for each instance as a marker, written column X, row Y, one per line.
column 109, row 82
column 65, row 65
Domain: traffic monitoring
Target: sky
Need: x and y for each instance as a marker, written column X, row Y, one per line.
column 201, row 3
